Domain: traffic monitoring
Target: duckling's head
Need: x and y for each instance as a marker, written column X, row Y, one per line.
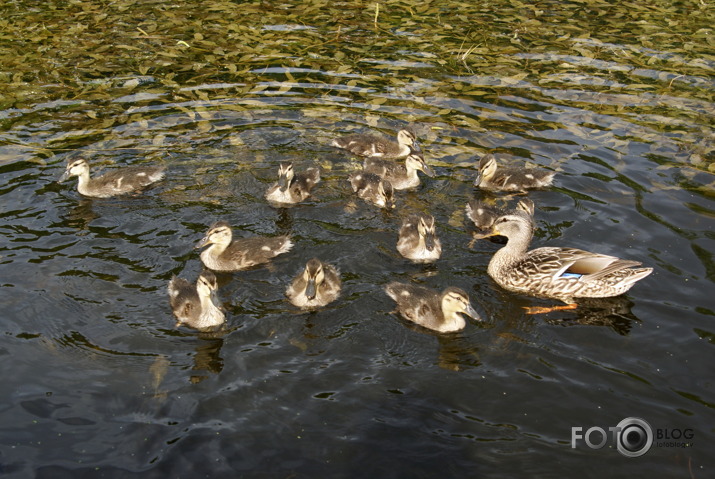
column 206, row 285
column 285, row 175
column 386, row 193
column 455, row 300
column 75, row 167
column 407, row 138
column 314, row 276
column 525, row 205
column 219, row 233
column 486, row 169
column 415, row 161
column 426, row 230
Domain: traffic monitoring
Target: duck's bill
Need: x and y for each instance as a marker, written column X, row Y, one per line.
column 310, row 289
column 472, row 313
column 204, row 241
column 427, row 169
column 283, row 182
column 64, row 176
column 478, row 179
column 485, row 234
column 429, row 242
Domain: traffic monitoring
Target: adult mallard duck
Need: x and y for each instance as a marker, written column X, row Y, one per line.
column 226, row 254
column 431, row 309
column 112, row 183
column 196, row 306
column 292, row 187
column 561, row 273
column 492, row 178
column 418, row 239
column 400, row 175
column 377, row 146
column 373, row 189
column 317, row 285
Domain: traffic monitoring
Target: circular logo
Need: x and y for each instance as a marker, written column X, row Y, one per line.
column 635, row 437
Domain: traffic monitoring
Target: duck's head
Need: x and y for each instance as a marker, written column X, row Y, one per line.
column 407, row 138
column 415, row 161
column 511, row 226
column 426, row 230
column 456, row 300
column 207, row 284
column 386, row 194
column 219, row 233
column 285, row 175
column 486, row 169
column 314, row 275
column 75, row 167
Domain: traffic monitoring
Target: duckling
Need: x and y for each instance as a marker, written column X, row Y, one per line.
column 373, row 189
column 518, row 180
column 377, row 146
column 226, row 254
column 317, row 285
column 556, row 272
column 196, row 306
column 292, row 187
column 113, row 183
column 418, row 239
column 484, row 215
column 402, row 176
column 431, row 309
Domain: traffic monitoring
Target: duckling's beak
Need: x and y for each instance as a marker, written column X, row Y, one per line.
column 427, row 169
column 469, row 311
column 478, row 179
column 64, row 176
column 283, row 182
column 204, row 241
column 310, row 289
column 216, row 302
column 429, row 241
column 416, row 147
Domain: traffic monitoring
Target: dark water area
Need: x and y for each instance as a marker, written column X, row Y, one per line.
column 98, row 381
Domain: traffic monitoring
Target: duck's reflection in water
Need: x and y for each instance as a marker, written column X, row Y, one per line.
column 207, row 358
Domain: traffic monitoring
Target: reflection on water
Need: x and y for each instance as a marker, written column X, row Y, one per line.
column 617, row 99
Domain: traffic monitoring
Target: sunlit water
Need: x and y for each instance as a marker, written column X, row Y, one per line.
column 97, row 379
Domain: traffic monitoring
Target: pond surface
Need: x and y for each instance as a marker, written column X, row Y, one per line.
column 617, row 99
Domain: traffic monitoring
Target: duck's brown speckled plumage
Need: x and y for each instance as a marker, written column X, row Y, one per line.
column 113, row 183
column 292, row 187
column 317, row 285
column 373, row 189
column 418, row 239
column 493, row 178
column 226, row 254
column 400, row 175
column 378, row 147
column 196, row 305
column 431, row 309
column 561, row 273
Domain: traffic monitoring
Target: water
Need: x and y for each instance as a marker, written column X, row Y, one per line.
column 99, row 382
